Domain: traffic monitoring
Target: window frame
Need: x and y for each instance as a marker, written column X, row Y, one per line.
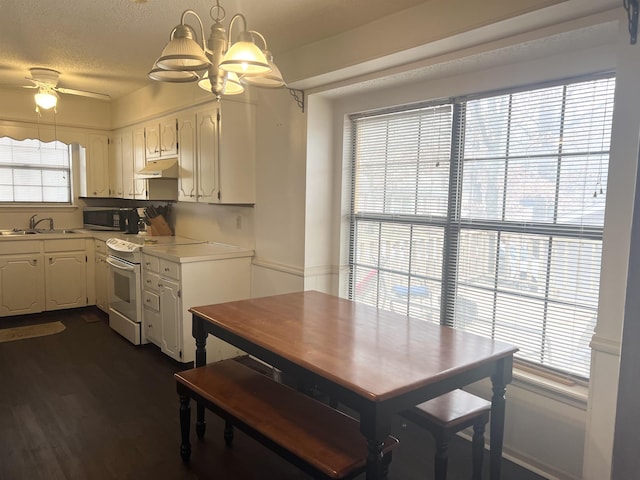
column 454, row 224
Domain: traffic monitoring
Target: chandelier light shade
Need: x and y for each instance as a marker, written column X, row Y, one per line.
column 174, row 76
column 244, row 57
column 273, row 79
column 182, row 52
column 230, row 84
column 218, row 65
column 46, row 98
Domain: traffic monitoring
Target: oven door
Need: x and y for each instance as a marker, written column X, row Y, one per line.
column 125, row 303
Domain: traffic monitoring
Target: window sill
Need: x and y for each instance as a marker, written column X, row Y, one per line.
column 561, row 389
column 20, row 207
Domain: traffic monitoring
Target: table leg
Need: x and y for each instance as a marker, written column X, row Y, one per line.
column 376, row 469
column 185, row 426
column 201, row 359
column 497, row 422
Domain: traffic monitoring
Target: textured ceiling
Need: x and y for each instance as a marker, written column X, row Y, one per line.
column 108, row 47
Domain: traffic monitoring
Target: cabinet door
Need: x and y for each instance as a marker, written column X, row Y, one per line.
column 97, row 168
column 21, row 284
column 115, row 166
column 152, row 141
column 237, row 153
column 65, row 280
column 187, row 158
column 102, row 283
column 168, row 138
column 170, row 318
column 139, row 184
column 207, row 138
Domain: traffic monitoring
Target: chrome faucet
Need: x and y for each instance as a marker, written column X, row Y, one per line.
column 33, row 224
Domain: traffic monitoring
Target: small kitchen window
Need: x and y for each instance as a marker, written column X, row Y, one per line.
column 32, row 171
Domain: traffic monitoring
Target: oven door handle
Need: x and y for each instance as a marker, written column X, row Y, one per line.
column 120, row 266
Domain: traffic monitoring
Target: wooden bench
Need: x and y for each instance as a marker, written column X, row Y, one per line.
column 446, row 415
column 318, row 439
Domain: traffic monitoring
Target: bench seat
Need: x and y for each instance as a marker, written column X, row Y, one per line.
column 318, row 439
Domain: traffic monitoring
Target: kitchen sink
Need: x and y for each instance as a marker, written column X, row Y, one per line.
column 57, row 231
column 17, row 232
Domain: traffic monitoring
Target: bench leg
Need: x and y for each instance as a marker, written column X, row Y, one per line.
column 228, row 433
column 185, row 426
column 477, row 449
column 441, row 457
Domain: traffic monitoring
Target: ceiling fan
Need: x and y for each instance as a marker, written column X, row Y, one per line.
column 46, row 81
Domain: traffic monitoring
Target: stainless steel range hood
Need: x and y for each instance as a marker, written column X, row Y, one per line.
column 167, row 168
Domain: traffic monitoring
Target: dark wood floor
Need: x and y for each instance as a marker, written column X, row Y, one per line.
column 86, row 404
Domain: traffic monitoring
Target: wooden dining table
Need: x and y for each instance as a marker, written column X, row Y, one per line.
column 373, row 361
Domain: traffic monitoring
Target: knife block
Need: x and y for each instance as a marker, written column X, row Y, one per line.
column 159, row 226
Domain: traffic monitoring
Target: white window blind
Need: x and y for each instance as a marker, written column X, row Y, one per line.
column 34, row 172
column 487, row 215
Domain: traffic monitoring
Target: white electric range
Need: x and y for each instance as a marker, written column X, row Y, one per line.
column 125, row 280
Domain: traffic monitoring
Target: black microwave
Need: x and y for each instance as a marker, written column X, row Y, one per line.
column 105, row 218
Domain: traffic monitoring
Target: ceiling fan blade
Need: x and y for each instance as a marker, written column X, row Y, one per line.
column 82, row 93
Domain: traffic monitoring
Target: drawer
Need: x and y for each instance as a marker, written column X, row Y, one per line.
column 151, row 326
column 64, row 245
column 8, row 247
column 151, row 300
column 151, row 281
column 151, row 263
column 170, row 269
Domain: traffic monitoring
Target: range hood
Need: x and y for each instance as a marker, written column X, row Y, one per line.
column 159, row 169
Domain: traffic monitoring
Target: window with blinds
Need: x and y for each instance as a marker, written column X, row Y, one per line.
column 487, row 214
column 34, row 172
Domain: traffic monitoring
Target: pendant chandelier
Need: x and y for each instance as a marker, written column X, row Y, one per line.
column 218, row 65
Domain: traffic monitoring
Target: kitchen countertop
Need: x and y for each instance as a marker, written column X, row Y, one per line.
column 197, row 252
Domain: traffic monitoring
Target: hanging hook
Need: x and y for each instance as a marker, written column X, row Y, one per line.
column 221, row 13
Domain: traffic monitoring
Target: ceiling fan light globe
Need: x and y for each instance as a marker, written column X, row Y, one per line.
column 46, row 100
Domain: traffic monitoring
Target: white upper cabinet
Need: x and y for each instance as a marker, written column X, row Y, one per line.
column 121, row 164
column 161, row 139
column 217, row 154
column 96, row 167
column 207, row 155
column 187, row 173
column 139, row 185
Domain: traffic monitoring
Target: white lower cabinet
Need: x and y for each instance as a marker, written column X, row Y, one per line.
column 169, row 314
column 172, row 287
column 22, row 281
column 101, row 276
column 65, row 273
column 38, row 275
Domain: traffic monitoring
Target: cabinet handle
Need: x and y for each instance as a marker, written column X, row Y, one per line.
column 148, row 301
column 50, row 260
column 35, row 262
column 166, row 269
column 159, row 285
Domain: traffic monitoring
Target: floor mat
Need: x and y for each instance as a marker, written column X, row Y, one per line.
column 30, row 331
